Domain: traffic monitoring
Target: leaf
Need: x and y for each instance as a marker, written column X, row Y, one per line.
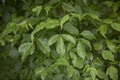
column 112, row 72
column 41, row 71
column 93, row 72
column 70, row 28
column 70, row 71
column 26, row 49
column 86, row 42
column 78, row 62
column 37, row 9
column 88, row 35
column 68, row 7
column 81, row 50
column 63, row 20
column 77, row 16
column 98, row 45
column 116, row 26
column 112, row 46
column 43, row 46
column 53, row 39
column 93, row 16
column 51, row 23
column 107, row 55
column 48, row 8
column 103, row 30
column 68, row 37
column 62, row 61
column 11, row 27
column 38, row 28
column 60, row 48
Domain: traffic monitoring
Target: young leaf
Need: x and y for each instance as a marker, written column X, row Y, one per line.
column 53, row 39
column 48, row 8
column 97, row 45
column 112, row 46
column 116, row 26
column 70, row 71
column 71, row 29
column 37, row 9
column 86, row 42
column 62, row 61
column 88, row 35
column 38, row 28
column 107, row 55
column 51, row 23
column 93, row 72
column 103, row 30
column 78, row 62
column 60, row 48
column 112, row 72
column 81, row 50
column 43, row 46
column 69, row 38
column 26, row 49
column 63, row 20
column 41, row 72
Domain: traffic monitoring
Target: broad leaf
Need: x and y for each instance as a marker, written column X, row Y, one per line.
column 26, row 49
column 63, row 20
column 53, row 39
column 116, row 26
column 69, row 38
column 88, row 35
column 112, row 72
column 86, row 42
column 38, row 28
column 103, row 30
column 37, row 9
column 112, row 46
column 107, row 55
column 98, row 45
column 60, row 48
column 70, row 71
column 43, row 46
column 71, row 29
column 52, row 23
column 81, row 50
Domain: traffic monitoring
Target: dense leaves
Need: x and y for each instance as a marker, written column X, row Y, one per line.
column 59, row 40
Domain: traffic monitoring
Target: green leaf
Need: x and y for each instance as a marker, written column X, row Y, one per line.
column 71, row 29
column 70, row 71
column 116, row 26
column 38, row 28
column 60, row 48
column 93, row 72
column 43, row 46
column 77, row 16
column 53, row 39
column 107, row 55
column 86, row 42
column 103, row 30
column 112, row 46
column 41, row 72
column 81, row 50
column 68, row 37
column 68, row 7
column 26, row 49
column 62, row 61
column 52, row 23
column 97, row 45
column 88, row 35
column 11, row 27
column 112, row 72
column 63, row 20
column 48, row 8
column 78, row 62
column 37, row 9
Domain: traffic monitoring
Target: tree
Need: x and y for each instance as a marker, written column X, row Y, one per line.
column 59, row 39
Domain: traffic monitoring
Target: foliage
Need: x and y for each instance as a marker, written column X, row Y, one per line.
column 59, row 39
